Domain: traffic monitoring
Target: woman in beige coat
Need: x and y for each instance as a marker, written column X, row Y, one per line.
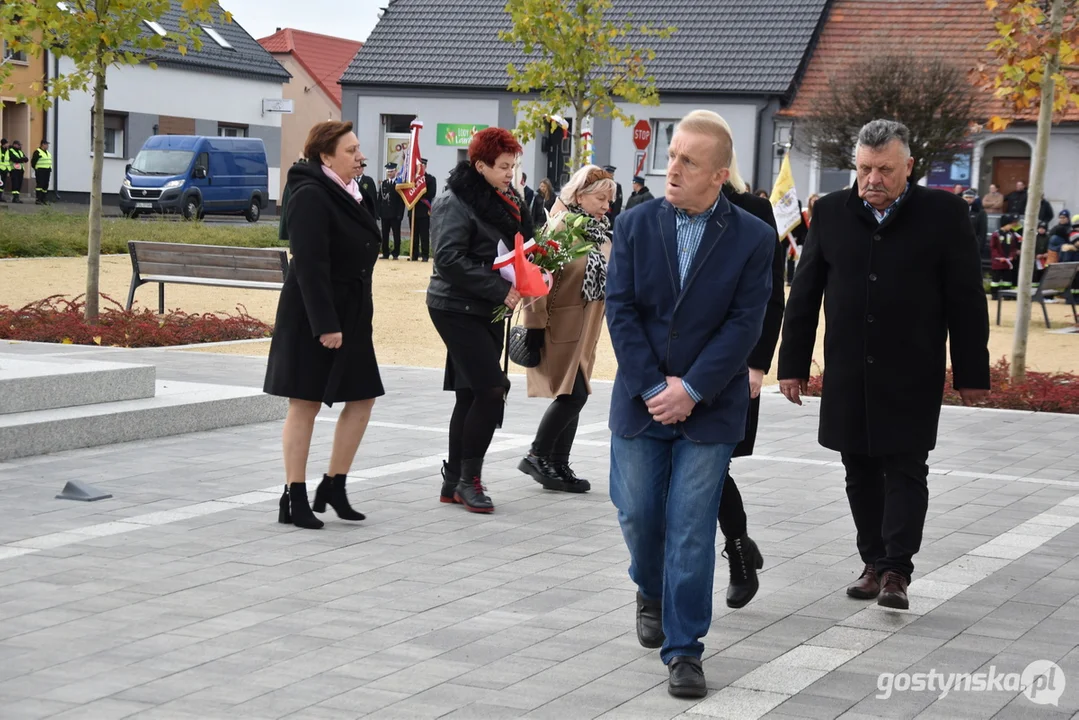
column 567, row 325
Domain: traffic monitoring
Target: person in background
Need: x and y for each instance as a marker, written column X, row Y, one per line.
column 282, row 208
column 41, row 162
column 322, row 349
column 762, row 193
column 866, row 249
column 18, row 161
column 565, row 327
column 421, row 234
column 688, row 283
column 616, row 204
column 979, row 221
column 392, row 207
column 1015, row 202
column 743, row 556
column 1004, row 254
column 369, row 191
column 542, row 202
column 641, row 193
column 529, row 193
column 479, row 209
column 5, row 169
column 1063, row 228
column 1041, row 253
column 957, row 190
column 993, row 202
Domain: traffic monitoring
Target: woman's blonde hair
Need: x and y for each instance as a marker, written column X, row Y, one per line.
column 587, row 180
column 707, row 122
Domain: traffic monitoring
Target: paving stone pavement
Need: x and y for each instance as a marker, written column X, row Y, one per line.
column 181, row 597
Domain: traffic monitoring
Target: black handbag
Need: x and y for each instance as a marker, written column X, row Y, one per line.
column 519, row 353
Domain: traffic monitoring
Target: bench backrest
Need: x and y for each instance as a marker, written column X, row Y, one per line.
column 208, row 261
column 1058, row 276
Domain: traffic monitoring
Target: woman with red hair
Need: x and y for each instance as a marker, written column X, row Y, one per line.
column 479, row 208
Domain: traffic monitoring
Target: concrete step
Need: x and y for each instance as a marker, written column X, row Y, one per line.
column 177, row 408
column 29, row 384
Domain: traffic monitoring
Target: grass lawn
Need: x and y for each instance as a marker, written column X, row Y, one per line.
column 56, row 234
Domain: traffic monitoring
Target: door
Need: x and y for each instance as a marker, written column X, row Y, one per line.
column 202, row 161
column 1008, row 171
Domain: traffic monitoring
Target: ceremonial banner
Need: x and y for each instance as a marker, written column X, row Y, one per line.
column 785, row 200
column 412, row 183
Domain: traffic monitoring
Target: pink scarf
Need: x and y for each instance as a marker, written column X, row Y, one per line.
column 350, row 187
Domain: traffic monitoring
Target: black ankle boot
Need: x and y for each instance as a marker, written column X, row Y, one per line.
column 570, row 481
column 540, row 469
column 299, row 511
column 449, row 484
column 470, row 491
column 745, row 560
column 283, row 515
column 331, row 491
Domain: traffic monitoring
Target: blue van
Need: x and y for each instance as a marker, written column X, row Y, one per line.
column 197, row 175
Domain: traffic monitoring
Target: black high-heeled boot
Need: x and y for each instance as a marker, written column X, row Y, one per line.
column 299, row 511
column 283, row 515
column 470, row 491
column 331, row 491
column 449, row 484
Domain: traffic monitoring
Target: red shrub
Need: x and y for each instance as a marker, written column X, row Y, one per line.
column 59, row 320
column 1040, row 392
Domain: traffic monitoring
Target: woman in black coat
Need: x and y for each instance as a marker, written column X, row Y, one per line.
column 479, row 209
column 742, row 553
column 322, row 350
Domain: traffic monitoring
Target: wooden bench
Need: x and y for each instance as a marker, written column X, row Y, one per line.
column 221, row 266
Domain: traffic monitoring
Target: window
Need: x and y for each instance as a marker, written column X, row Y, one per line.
column 156, row 27
column 115, row 134
column 662, row 132
column 216, row 37
column 226, row 130
column 9, row 54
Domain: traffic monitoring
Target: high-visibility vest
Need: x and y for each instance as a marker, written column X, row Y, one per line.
column 44, row 160
column 5, row 160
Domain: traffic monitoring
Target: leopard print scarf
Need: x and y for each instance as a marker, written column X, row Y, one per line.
column 595, row 272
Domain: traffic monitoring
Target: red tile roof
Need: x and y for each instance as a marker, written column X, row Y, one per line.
column 855, row 30
column 324, row 57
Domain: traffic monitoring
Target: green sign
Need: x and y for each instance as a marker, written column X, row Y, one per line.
column 457, row 135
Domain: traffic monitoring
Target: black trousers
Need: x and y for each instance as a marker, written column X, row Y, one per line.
column 889, row 497
column 389, row 224
column 42, row 186
column 421, row 237
column 558, row 428
column 16, row 182
column 732, row 513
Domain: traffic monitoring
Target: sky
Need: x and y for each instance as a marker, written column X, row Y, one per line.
column 351, row 19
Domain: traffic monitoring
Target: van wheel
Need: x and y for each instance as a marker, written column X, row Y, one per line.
column 191, row 208
column 254, row 212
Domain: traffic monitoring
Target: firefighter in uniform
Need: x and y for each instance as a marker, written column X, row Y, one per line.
column 18, row 160
column 1004, row 247
column 392, row 208
column 421, row 234
column 369, row 191
column 5, row 170
column 42, row 164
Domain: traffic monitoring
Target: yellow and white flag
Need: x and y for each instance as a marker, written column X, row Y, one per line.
column 785, row 200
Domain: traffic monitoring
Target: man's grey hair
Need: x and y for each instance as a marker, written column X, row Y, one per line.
column 878, row 133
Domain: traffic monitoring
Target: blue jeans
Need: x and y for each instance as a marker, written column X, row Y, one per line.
column 667, row 493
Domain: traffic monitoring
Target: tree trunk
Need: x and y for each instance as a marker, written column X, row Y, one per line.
column 93, row 241
column 1034, row 199
column 578, row 143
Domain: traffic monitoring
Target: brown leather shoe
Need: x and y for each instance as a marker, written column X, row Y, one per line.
column 868, row 585
column 893, row 593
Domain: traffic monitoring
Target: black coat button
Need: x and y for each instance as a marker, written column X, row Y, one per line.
column 872, row 277
column 869, row 318
column 869, row 359
column 674, row 335
column 877, row 237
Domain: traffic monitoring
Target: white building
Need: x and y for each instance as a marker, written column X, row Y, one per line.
column 740, row 59
column 218, row 90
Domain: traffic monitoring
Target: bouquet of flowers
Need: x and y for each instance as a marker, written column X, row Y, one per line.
column 548, row 254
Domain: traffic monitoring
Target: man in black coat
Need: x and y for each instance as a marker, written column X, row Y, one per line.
column 1015, row 202
column 641, row 194
column 616, row 204
column 979, row 222
column 421, row 234
column 392, row 210
column 885, row 345
column 743, row 556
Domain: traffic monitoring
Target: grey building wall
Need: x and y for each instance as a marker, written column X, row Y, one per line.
column 271, row 136
column 140, row 127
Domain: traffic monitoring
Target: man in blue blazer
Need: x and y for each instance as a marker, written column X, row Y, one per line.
column 687, row 285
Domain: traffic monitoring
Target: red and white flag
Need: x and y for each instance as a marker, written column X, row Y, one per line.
column 413, row 180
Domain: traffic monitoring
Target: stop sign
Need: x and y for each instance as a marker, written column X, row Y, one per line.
column 642, row 134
